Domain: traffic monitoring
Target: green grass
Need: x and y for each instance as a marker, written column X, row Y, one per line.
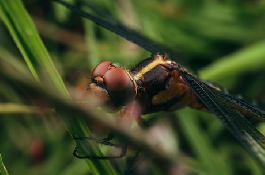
column 3, row 170
column 38, row 60
column 43, row 46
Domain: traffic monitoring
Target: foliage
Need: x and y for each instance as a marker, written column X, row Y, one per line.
column 222, row 41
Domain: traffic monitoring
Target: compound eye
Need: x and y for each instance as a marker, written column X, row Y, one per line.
column 101, row 69
column 117, row 79
column 120, row 86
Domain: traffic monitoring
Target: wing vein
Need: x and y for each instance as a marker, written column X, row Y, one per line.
column 236, row 123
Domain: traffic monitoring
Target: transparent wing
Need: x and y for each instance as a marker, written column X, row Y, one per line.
column 240, row 103
column 235, row 122
column 118, row 28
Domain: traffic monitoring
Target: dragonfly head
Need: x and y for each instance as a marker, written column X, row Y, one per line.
column 113, row 85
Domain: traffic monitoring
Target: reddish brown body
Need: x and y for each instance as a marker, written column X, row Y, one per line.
column 162, row 88
column 158, row 87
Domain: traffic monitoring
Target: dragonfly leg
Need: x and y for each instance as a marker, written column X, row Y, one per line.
column 132, row 163
column 104, row 141
column 130, row 112
column 122, row 154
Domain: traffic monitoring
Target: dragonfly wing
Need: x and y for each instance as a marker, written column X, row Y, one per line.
column 236, row 123
column 118, row 28
column 241, row 103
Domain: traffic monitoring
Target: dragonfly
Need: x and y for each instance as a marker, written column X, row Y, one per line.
column 159, row 83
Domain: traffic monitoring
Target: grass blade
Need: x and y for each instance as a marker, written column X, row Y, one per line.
column 3, row 170
column 38, row 60
column 236, row 63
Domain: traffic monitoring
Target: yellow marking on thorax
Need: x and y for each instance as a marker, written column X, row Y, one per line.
column 158, row 60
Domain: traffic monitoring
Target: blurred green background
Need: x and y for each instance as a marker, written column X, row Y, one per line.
column 222, row 41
